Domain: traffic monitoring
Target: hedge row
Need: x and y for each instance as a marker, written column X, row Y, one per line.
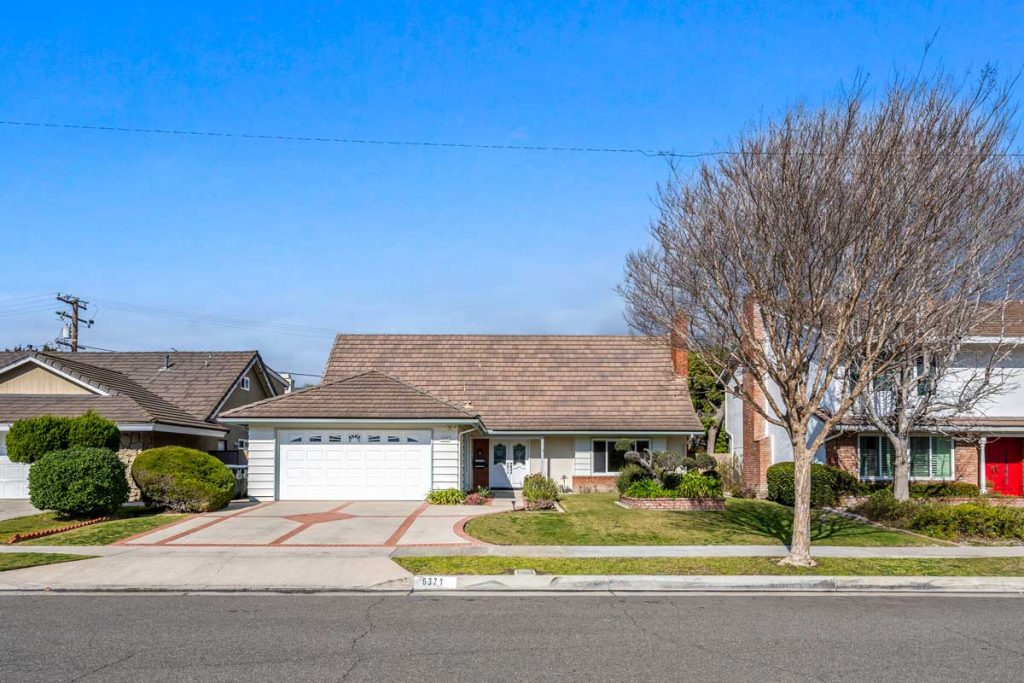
column 955, row 522
column 30, row 439
column 827, row 484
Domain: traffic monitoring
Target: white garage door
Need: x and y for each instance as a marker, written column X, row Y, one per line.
column 354, row 465
column 13, row 475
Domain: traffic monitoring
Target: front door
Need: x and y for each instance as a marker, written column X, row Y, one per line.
column 1004, row 466
column 509, row 463
column 481, row 456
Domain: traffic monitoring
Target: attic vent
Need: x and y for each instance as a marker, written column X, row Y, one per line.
column 167, row 362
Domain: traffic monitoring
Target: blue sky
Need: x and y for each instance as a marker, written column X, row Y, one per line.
column 392, row 239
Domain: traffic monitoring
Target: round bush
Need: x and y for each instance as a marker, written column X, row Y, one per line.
column 78, row 482
column 91, row 430
column 183, row 479
column 30, row 439
column 827, row 484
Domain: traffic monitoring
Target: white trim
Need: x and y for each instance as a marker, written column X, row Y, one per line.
column 61, row 373
column 244, row 383
column 931, row 438
column 982, row 478
column 172, row 429
column 342, row 421
column 234, row 385
column 993, row 340
column 588, row 432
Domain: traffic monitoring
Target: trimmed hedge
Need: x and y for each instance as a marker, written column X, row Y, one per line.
column 944, row 489
column 183, row 479
column 91, row 430
column 32, row 438
column 78, row 482
column 827, row 484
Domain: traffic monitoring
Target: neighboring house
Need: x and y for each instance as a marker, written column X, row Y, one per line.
column 985, row 448
column 155, row 398
column 399, row 415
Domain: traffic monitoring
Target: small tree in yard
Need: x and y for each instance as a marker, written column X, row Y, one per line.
column 805, row 250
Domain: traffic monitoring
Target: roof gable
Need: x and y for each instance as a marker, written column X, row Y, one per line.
column 370, row 396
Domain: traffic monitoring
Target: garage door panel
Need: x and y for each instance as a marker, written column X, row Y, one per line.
column 383, row 468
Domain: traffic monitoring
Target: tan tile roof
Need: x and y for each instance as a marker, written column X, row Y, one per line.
column 185, row 394
column 532, row 383
column 370, row 395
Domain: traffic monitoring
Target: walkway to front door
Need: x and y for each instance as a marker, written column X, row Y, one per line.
column 1004, row 466
column 324, row 523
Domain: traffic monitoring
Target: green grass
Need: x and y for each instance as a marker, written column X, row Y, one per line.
column 10, row 561
column 714, row 566
column 129, row 521
column 595, row 519
column 106, row 533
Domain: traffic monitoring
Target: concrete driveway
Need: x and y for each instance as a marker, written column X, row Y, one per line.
column 386, row 524
column 9, row 509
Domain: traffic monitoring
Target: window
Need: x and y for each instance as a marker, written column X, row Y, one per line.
column 241, row 444
column 373, row 438
column 931, row 457
column 244, row 383
column 500, row 454
column 316, row 439
column 394, row 439
column 609, row 460
column 334, row 438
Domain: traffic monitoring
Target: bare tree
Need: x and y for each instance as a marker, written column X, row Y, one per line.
column 807, row 248
column 938, row 375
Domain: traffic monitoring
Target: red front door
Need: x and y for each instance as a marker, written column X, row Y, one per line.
column 1004, row 466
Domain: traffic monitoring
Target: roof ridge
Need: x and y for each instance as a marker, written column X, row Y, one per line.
column 424, row 392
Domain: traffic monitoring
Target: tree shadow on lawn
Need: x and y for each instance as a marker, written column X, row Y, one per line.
column 776, row 521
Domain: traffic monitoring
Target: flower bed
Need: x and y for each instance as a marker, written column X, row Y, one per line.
column 676, row 503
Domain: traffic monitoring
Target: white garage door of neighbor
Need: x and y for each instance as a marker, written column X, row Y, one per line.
column 354, row 465
column 13, row 475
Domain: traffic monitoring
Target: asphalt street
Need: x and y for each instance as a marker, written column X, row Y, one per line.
column 132, row 637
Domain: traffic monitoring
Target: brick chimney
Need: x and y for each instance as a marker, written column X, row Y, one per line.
column 679, row 342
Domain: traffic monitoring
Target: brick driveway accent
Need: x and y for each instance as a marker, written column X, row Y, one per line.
column 325, row 524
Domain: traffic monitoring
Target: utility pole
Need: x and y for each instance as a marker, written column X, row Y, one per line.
column 76, row 305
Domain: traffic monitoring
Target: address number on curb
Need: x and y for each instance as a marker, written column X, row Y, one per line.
column 428, row 583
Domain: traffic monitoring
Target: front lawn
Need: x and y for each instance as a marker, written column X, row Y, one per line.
column 595, row 519
column 128, row 522
column 10, row 561
column 713, row 566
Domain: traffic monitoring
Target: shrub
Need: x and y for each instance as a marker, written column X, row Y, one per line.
column 78, row 482
column 31, row 438
column 827, row 484
column 630, row 473
column 539, row 491
column 446, row 497
column 183, row 479
column 968, row 520
column 650, row 488
column 881, row 506
column 475, row 499
column 944, row 489
column 695, row 484
column 484, row 492
column 91, row 430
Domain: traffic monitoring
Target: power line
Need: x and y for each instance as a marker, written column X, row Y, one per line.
column 355, row 141
column 656, row 153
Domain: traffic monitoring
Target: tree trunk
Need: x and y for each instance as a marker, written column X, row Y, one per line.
column 800, row 546
column 714, row 428
column 900, row 468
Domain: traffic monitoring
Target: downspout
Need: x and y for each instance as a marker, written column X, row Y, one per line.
column 543, row 471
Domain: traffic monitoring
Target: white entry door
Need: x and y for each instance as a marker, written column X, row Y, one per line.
column 13, row 475
column 354, row 465
column 509, row 464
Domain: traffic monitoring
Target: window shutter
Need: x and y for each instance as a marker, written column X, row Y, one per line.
column 886, row 457
column 919, row 455
column 942, row 458
column 868, row 448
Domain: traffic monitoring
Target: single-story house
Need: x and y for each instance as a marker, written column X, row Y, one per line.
column 985, row 447
column 399, row 415
column 156, row 398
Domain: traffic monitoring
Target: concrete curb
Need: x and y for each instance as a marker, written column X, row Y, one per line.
column 758, row 584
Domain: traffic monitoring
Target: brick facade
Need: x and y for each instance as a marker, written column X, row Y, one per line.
column 841, row 452
column 688, row 504
column 757, row 456
column 594, row 483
